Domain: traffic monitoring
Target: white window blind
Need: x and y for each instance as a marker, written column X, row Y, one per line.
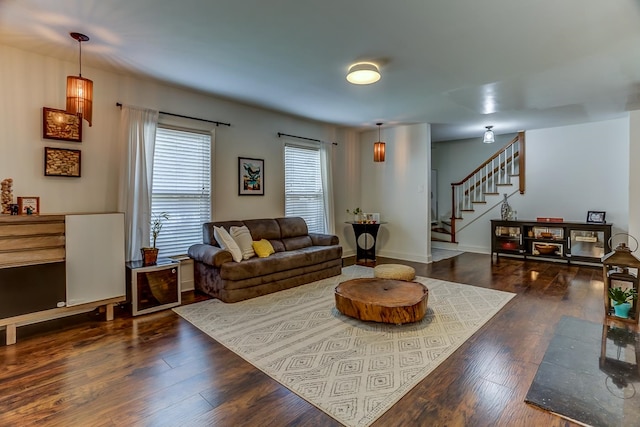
column 181, row 187
column 303, row 186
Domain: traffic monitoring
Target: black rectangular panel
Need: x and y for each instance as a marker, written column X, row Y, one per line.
column 32, row 288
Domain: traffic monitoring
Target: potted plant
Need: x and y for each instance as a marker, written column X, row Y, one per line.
column 622, row 299
column 356, row 214
column 150, row 255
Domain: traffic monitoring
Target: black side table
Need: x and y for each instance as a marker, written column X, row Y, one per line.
column 153, row 287
column 366, row 235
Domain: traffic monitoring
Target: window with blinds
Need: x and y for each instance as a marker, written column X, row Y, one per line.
column 303, row 186
column 181, row 187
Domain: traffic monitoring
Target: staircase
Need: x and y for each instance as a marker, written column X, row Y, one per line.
column 480, row 191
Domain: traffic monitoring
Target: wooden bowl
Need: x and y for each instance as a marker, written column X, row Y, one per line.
column 546, row 235
column 546, row 249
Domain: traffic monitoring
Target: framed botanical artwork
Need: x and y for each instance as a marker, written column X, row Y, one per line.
column 61, row 162
column 58, row 124
column 28, row 205
column 596, row 217
column 250, row 177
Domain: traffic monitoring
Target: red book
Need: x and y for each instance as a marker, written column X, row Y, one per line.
column 547, row 219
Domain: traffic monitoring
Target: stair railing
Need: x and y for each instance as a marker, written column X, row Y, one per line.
column 494, row 172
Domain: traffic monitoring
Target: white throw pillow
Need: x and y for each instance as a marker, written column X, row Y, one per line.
column 226, row 242
column 242, row 236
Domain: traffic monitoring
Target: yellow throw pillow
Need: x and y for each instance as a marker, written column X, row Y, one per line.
column 263, row 248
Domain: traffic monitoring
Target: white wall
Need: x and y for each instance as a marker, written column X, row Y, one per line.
column 398, row 189
column 569, row 170
column 29, row 82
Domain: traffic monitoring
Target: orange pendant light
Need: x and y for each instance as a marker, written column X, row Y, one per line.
column 378, row 148
column 79, row 89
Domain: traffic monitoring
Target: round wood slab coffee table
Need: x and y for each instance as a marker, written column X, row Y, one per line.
column 382, row 300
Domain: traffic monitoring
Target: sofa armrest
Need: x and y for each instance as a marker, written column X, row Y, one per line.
column 209, row 254
column 324, row 239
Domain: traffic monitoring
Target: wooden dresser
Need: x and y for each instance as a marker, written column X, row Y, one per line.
column 57, row 265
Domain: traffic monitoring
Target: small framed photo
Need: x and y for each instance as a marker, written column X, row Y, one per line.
column 250, row 177
column 61, row 162
column 60, row 125
column 596, row 217
column 28, row 205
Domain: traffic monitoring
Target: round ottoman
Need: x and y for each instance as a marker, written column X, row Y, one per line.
column 394, row 271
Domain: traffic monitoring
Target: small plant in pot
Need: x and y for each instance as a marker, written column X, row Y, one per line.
column 357, row 213
column 622, row 299
column 150, row 255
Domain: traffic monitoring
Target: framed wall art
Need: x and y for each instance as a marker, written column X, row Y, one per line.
column 28, row 205
column 596, row 217
column 250, row 177
column 61, row 162
column 60, row 125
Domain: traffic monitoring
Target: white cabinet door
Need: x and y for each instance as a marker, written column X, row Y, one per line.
column 94, row 257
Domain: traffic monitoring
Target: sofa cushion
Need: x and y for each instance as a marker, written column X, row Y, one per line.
column 226, row 242
column 243, row 238
column 278, row 246
column 293, row 243
column 263, row 229
column 263, row 248
column 292, row 227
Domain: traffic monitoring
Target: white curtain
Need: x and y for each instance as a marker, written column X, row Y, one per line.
column 137, row 140
column 326, row 155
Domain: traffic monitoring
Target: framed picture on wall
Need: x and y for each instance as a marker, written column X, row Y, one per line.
column 250, row 177
column 58, row 124
column 61, row 162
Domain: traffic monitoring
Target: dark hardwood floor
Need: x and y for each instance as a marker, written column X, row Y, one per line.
column 159, row 370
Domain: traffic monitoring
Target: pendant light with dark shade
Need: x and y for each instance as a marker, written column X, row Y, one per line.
column 378, row 148
column 79, row 89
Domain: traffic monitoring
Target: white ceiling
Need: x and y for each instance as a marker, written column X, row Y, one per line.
column 457, row 64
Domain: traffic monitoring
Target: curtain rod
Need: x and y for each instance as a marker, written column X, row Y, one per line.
column 118, row 104
column 308, row 139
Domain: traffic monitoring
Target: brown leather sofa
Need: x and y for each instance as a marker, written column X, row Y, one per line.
column 300, row 257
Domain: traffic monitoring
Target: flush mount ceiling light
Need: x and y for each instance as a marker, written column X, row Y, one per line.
column 378, row 148
column 363, row 73
column 489, row 137
column 79, row 89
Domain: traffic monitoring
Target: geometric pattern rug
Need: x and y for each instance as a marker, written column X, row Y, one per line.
column 352, row 370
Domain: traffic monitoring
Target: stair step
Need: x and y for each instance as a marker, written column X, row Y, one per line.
column 446, row 223
column 491, row 194
column 504, row 185
column 440, row 230
column 479, row 201
column 437, row 239
column 467, row 210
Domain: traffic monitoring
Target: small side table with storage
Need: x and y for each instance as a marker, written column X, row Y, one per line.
column 153, row 287
column 366, row 237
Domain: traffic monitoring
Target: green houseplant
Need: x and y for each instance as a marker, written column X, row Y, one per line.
column 150, row 255
column 622, row 299
column 357, row 212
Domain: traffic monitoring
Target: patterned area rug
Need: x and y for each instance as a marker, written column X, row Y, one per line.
column 352, row 370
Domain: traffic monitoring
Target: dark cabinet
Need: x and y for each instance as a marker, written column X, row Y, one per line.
column 152, row 288
column 566, row 241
